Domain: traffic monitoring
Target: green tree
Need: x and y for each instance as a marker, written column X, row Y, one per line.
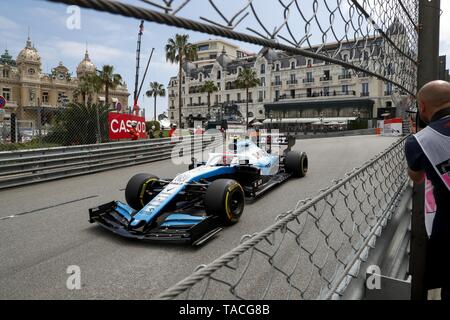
column 109, row 80
column 179, row 50
column 247, row 79
column 88, row 85
column 77, row 125
column 209, row 87
column 156, row 90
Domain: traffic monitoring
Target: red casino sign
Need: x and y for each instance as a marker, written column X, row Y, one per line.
column 120, row 124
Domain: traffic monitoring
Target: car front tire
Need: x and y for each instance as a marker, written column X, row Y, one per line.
column 225, row 199
column 137, row 191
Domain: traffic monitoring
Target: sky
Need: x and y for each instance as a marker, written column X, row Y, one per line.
column 111, row 39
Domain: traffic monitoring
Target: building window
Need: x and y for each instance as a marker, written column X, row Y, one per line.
column 203, row 47
column 293, row 79
column 277, row 67
column 200, row 77
column 292, row 94
column 277, row 80
column 326, row 91
column 292, row 65
column 32, row 95
column 190, row 101
column 219, row 75
column 263, row 69
column 345, row 89
column 7, row 94
column 261, row 96
column 45, row 97
column 228, row 98
column 388, row 89
column 263, row 82
column 277, row 95
column 250, row 97
column 365, row 90
column 31, row 71
column 309, row 63
column 239, row 97
column 199, row 101
column 5, row 73
column 309, row 77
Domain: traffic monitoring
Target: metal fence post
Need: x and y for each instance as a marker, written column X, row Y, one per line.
column 429, row 16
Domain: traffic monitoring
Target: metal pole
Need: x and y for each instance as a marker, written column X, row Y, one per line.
column 429, row 16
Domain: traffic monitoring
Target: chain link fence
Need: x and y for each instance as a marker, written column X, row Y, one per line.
column 68, row 125
column 313, row 251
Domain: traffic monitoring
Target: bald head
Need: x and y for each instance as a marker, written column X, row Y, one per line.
column 433, row 97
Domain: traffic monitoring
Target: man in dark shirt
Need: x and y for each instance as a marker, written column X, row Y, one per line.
column 434, row 107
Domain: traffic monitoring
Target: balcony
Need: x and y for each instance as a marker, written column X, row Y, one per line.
column 276, row 83
column 196, row 104
column 292, row 82
column 308, row 80
column 388, row 93
column 326, row 78
column 345, row 76
column 315, row 95
column 365, row 94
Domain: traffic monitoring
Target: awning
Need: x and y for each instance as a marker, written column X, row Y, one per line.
column 322, row 104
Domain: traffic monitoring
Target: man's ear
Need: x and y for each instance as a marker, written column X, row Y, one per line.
column 422, row 107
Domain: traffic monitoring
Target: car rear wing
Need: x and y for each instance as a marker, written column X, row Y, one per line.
column 276, row 141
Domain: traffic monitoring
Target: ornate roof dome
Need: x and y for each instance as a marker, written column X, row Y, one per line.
column 86, row 66
column 29, row 54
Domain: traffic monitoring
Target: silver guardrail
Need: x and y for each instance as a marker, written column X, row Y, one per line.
column 18, row 168
column 313, row 251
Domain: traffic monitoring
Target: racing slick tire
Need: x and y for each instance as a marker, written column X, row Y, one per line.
column 135, row 192
column 225, row 199
column 296, row 163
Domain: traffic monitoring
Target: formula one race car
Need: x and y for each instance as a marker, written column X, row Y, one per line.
column 197, row 204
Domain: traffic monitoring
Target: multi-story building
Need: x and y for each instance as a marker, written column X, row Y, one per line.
column 28, row 90
column 291, row 86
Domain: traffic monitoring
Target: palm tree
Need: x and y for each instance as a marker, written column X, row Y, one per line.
column 156, row 90
column 209, row 87
column 109, row 80
column 179, row 50
column 247, row 79
column 89, row 84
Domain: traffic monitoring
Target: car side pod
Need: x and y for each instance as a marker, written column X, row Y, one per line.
column 174, row 228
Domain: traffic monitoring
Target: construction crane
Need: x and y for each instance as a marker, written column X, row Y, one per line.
column 137, row 88
column 138, row 61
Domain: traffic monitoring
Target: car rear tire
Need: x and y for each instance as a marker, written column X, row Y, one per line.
column 137, row 190
column 296, row 163
column 225, row 199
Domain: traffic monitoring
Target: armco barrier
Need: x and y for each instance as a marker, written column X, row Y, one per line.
column 19, row 168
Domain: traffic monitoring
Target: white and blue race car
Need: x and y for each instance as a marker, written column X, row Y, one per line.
column 198, row 203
